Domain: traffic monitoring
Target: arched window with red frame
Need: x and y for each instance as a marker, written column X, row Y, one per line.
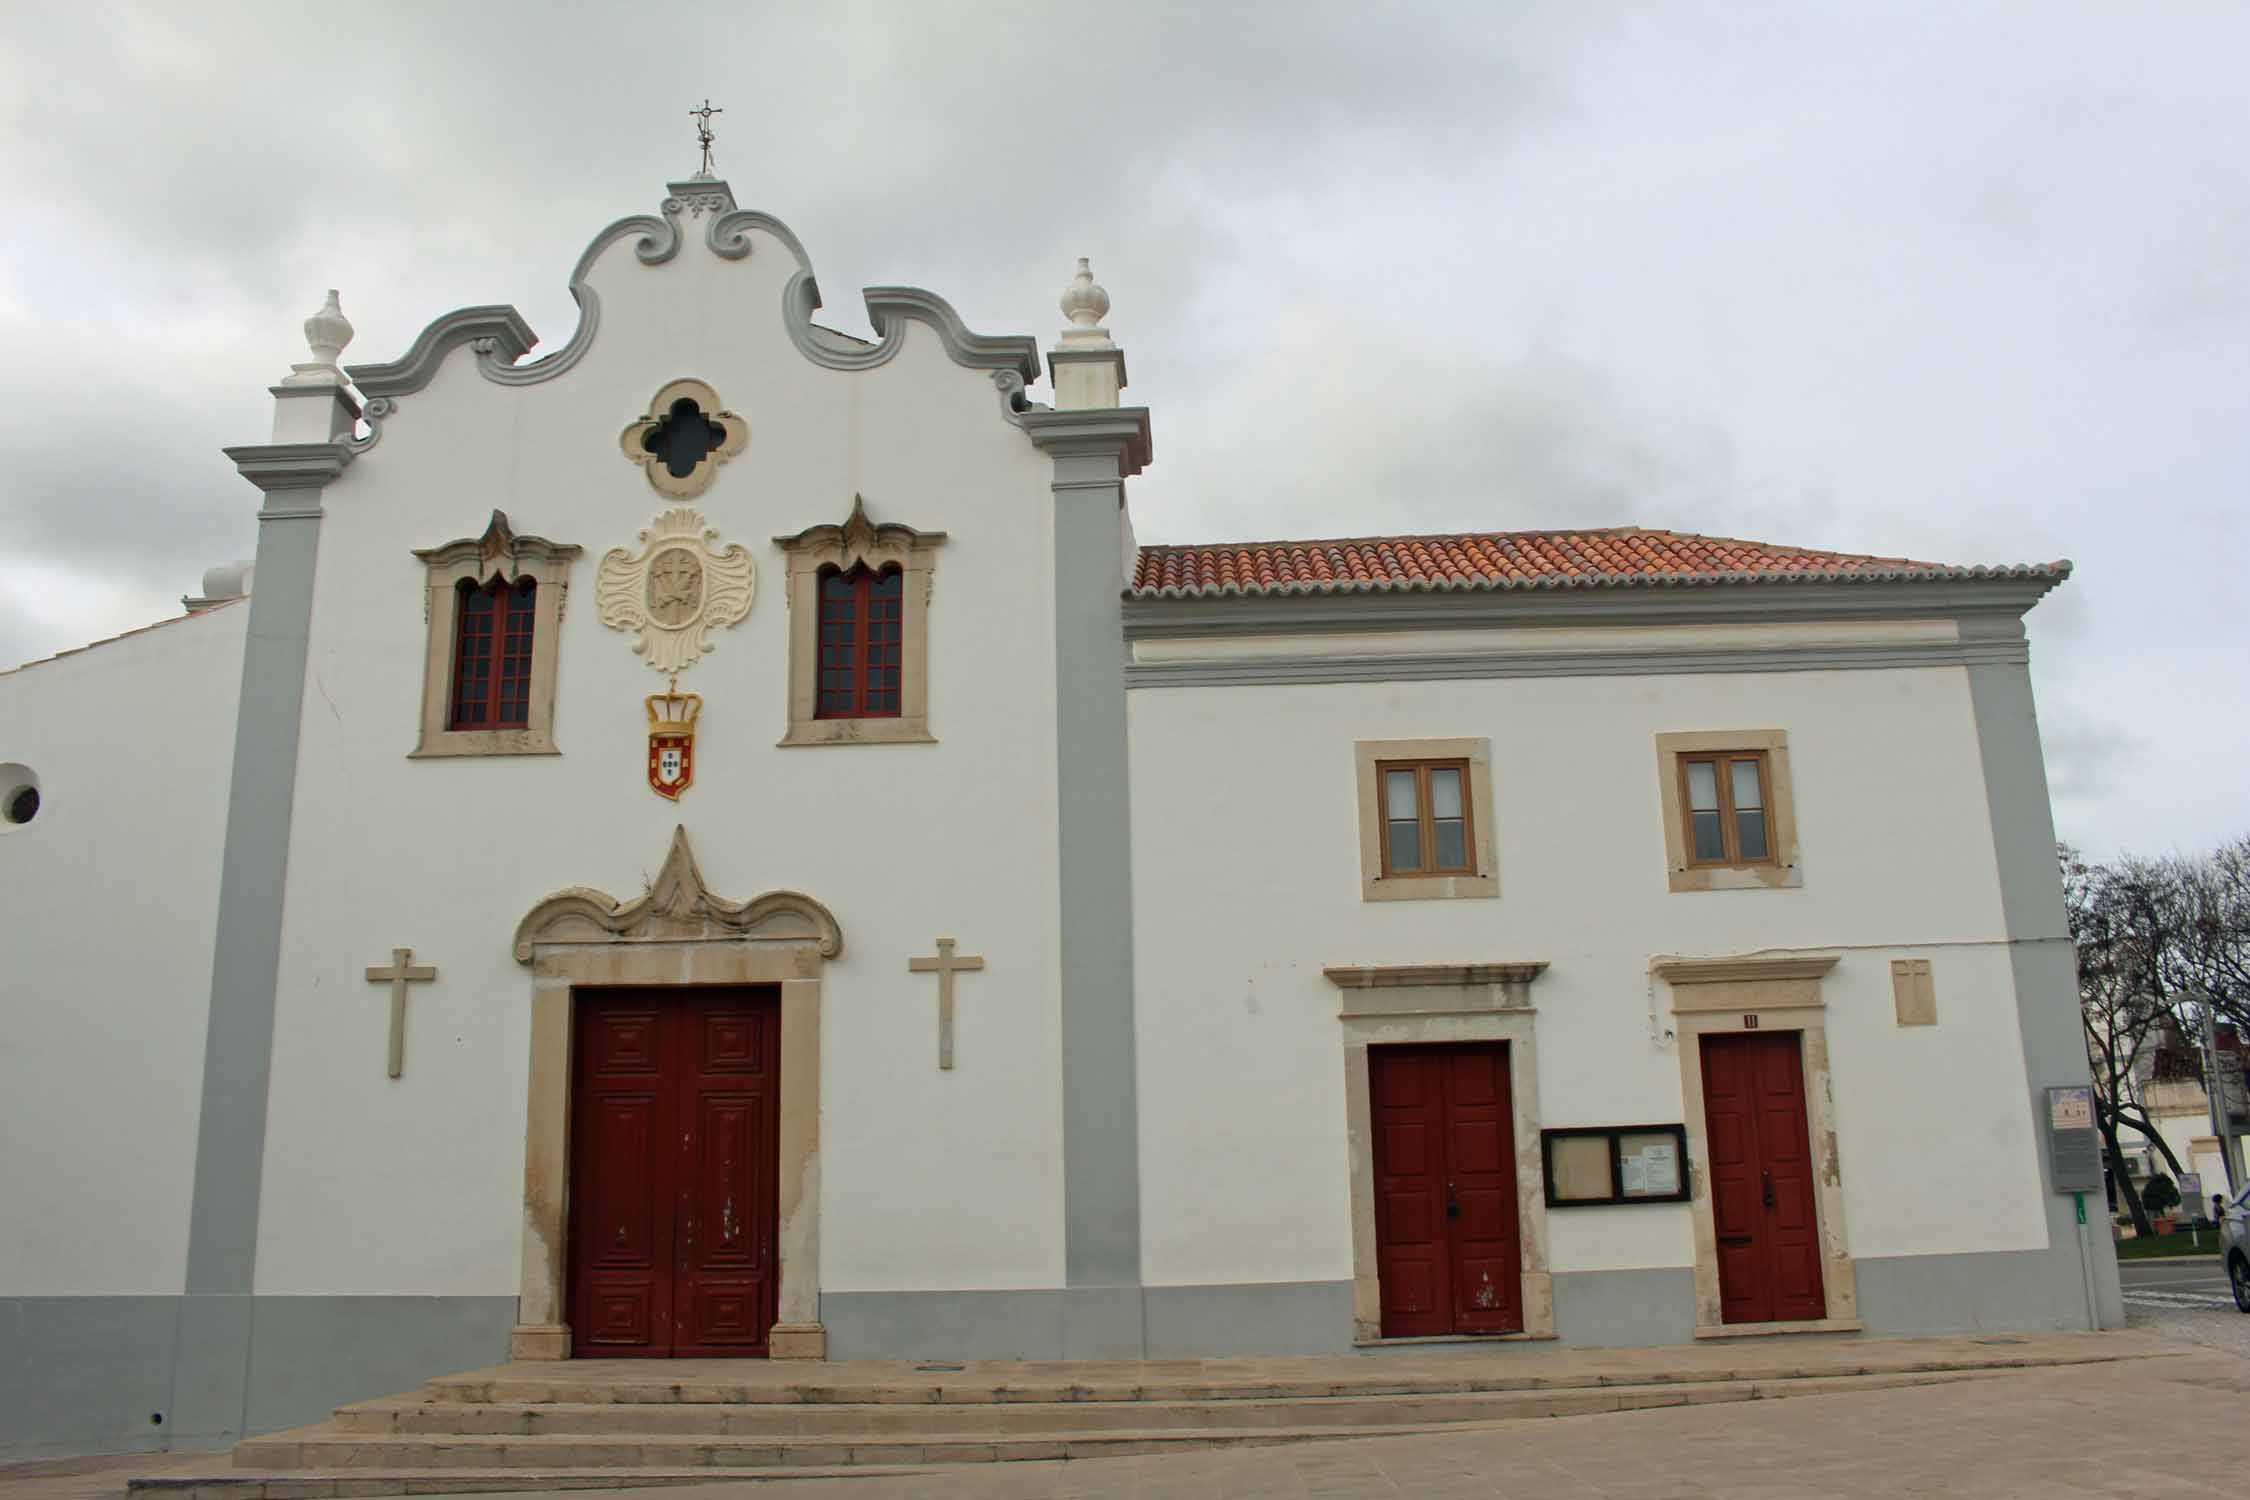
column 861, row 643
column 492, row 654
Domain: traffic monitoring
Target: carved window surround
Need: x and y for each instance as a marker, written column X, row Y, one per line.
column 698, row 479
column 1784, row 872
column 1374, row 885
column 499, row 551
column 859, row 541
column 676, row 933
column 1491, row 1002
column 1719, row 996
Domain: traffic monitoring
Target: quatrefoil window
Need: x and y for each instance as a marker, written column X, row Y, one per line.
column 684, row 438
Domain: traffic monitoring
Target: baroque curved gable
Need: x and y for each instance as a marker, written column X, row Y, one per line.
column 500, row 337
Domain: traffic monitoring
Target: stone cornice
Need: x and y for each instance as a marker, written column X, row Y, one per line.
column 1678, row 971
column 1122, row 431
column 501, row 328
column 499, row 542
column 1396, row 976
column 290, row 466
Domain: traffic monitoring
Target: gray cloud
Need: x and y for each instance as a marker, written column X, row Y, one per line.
column 1961, row 283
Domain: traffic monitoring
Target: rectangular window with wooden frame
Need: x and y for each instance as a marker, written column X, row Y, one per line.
column 1729, row 812
column 1724, row 798
column 1426, row 818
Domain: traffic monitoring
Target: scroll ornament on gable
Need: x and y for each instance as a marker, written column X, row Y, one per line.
column 677, row 591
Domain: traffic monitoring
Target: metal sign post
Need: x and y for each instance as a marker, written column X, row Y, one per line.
column 2074, row 1166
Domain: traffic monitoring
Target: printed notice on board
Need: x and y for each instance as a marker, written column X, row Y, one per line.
column 1660, row 1167
column 2071, row 1109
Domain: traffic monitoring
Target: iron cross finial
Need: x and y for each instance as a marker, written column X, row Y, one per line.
column 703, row 136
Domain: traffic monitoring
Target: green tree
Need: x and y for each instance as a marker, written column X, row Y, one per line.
column 2160, row 1194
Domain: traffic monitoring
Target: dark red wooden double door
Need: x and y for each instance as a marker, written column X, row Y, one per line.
column 1446, row 1241
column 674, row 1158
column 1761, row 1178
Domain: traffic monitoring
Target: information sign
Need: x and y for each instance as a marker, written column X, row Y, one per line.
column 2074, row 1150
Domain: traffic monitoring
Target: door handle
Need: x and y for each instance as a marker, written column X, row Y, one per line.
column 1767, row 1177
column 1452, row 1203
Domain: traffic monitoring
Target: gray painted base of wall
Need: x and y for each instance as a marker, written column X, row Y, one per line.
column 86, row 1374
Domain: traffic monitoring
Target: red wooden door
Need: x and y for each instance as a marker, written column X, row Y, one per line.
column 674, row 1167
column 1761, row 1179
column 1446, row 1245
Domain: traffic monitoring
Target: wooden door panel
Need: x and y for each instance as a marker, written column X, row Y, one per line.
column 674, row 1162
column 1763, row 1207
column 728, row 1290
column 1480, row 1165
column 1447, row 1251
column 1410, row 1239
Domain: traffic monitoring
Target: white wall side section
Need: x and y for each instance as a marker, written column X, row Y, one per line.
column 930, row 1179
column 1247, row 884
column 108, row 898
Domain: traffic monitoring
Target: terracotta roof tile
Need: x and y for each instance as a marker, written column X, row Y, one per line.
column 1625, row 556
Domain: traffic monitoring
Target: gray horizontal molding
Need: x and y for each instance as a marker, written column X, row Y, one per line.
column 1439, row 668
column 501, row 337
column 1997, row 603
column 276, row 467
column 1096, row 432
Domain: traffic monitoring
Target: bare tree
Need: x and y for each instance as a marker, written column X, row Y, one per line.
column 2122, row 921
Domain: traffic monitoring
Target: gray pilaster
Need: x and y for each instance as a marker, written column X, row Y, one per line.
column 2043, row 963
column 1094, row 451
column 211, row 1378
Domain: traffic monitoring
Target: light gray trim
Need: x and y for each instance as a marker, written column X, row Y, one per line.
column 1997, row 1291
column 1609, row 1309
column 1715, row 602
column 1274, row 671
column 944, row 1325
column 2042, row 962
column 246, row 954
column 1092, row 453
column 497, row 326
column 1273, row 1317
column 501, row 336
column 85, row 1374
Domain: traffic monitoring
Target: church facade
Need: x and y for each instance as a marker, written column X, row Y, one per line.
column 715, row 841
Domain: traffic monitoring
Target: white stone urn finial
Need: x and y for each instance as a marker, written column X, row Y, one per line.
column 1085, row 304
column 328, row 331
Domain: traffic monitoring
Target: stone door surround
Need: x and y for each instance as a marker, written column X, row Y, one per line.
column 1781, row 993
column 677, row 933
column 1488, row 1002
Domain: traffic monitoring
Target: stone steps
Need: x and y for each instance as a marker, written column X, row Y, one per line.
column 928, row 1421
column 627, row 1424
column 762, row 1436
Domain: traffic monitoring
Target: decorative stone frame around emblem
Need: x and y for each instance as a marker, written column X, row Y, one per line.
column 643, row 440
column 499, row 551
column 860, row 542
column 677, row 591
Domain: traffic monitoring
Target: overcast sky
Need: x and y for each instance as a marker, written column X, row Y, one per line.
column 1962, row 282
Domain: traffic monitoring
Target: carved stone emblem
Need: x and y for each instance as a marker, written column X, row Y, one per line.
column 676, row 591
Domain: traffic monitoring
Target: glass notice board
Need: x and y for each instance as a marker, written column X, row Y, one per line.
column 1599, row 1164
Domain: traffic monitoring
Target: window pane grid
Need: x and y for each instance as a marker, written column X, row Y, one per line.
column 862, row 646
column 1725, row 799
column 492, row 648
column 1425, row 818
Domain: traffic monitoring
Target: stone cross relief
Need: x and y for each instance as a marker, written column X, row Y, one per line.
column 945, row 964
column 398, row 976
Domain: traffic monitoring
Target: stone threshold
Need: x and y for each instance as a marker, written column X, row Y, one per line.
column 1769, row 1330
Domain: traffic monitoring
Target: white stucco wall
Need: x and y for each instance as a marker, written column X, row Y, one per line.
column 1246, row 884
column 929, row 1178
column 108, row 899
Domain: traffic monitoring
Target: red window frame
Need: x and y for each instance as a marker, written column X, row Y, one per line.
column 862, row 644
column 492, row 636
